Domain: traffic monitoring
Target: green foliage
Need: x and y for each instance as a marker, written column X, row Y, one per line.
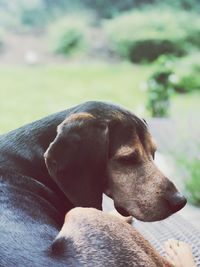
column 151, row 49
column 190, row 168
column 187, row 72
column 69, row 41
column 144, row 36
column 188, row 82
column 38, row 13
column 29, row 19
column 1, row 45
column 170, row 76
column 160, row 88
column 193, row 183
column 1, row 41
column 69, row 35
column 109, row 8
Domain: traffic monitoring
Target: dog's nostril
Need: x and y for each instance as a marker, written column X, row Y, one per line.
column 177, row 201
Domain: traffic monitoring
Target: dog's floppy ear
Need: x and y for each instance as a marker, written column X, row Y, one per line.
column 77, row 159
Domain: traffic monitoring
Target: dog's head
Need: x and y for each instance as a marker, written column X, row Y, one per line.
column 109, row 150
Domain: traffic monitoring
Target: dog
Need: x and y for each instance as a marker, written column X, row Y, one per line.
column 67, row 160
column 90, row 237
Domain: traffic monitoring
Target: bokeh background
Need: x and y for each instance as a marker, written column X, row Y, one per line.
column 142, row 54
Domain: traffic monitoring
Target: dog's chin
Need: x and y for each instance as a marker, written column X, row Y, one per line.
column 122, row 211
column 142, row 217
column 152, row 217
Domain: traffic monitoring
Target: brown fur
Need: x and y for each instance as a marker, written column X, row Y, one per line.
column 101, row 239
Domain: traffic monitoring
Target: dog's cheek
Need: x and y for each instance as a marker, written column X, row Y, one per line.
column 121, row 184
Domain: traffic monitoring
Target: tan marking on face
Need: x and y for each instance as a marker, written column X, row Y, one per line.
column 74, row 117
column 124, row 151
column 128, row 149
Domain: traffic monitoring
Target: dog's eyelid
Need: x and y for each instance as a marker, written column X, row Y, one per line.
column 128, row 158
column 124, row 151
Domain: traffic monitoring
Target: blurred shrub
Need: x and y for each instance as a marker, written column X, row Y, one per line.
column 145, row 35
column 29, row 19
column 188, row 82
column 1, row 45
column 171, row 75
column 193, row 183
column 187, row 72
column 160, row 88
column 68, row 35
column 190, row 169
column 1, row 41
column 110, row 8
column 30, row 14
column 38, row 13
column 149, row 50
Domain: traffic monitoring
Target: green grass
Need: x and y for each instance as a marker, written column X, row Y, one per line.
column 27, row 94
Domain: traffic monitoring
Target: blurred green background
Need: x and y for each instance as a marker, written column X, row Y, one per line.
column 144, row 55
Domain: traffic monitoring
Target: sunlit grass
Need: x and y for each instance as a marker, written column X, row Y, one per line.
column 27, row 94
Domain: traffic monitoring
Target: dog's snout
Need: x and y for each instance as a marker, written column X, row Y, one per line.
column 176, row 201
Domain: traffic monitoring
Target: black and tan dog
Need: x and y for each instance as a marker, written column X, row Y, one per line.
column 98, row 148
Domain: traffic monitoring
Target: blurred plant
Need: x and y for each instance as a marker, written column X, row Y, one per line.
column 69, row 41
column 1, row 40
column 110, row 8
column 193, row 183
column 187, row 70
column 142, row 35
column 160, row 88
column 69, row 35
column 190, row 168
column 38, row 13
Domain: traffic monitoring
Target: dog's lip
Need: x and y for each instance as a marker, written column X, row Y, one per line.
column 122, row 211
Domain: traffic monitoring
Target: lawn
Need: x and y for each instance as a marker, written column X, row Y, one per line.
column 28, row 93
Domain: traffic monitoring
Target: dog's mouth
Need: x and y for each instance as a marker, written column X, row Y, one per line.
column 122, row 211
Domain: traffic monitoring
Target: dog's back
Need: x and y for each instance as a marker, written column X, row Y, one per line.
column 92, row 238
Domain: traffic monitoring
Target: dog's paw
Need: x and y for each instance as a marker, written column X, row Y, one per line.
column 179, row 253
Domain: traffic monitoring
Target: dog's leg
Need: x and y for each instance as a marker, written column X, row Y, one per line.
column 179, row 253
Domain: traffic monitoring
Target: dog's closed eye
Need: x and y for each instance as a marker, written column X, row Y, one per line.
column 127, row 155
column 129, row 159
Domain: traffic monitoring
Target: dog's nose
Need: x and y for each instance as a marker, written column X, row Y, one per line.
column 176, row 201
